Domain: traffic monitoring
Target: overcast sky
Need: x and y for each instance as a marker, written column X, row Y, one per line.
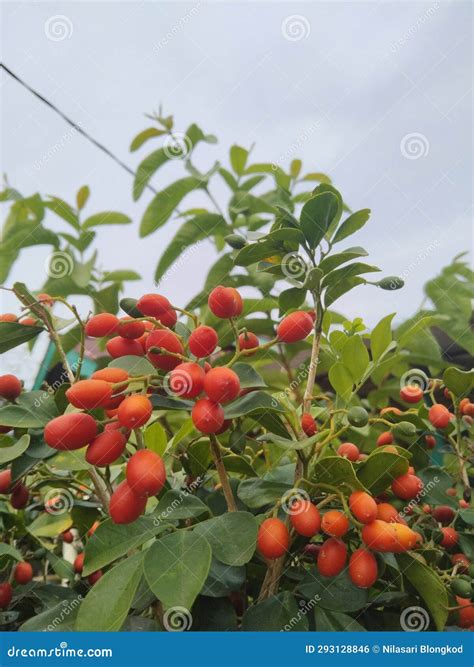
column 376, row 94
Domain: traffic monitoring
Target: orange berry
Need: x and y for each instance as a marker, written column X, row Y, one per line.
column 248, row 341
column 363, row 569
column 407, row 486
column 106, row 448
column 203, row 341
column 225, row 302
column 411, row 394
column 146, row 473
column 71, row 431
column 332, row 557
column 134, row 411
column 166, row 341
column 450, row 538
column 125, row 506
column 122, row 347
column 273, row 538
column 363, row 506
column 348, row 451
column 385, row 438
column 207, row 416
column 23, row 573
column 335, row 523
column 89, row 394
column 308, row 424
column 104, row 324
column 10, row 387
column 295, row 327
column 187, row 380
column 221, row 385
column 439, row 416
column 305, row 518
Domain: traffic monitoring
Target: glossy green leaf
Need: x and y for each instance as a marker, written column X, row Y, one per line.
column 9, row 453
column 255, row 401
column 352, row 224
column 333, row 593
column 238, row 159
column 317, row 215
column 144, row 136
column 107, row 603
column 276, row 614
column 381, row 336
column 428, row 584
column 379, row 470
column 255, row 493
column 341, row 380
column 13, row 334
column 458, row 381
column 50, row 525
column 232, row 536
column 336, row 470
column 106, row 218
column 176, row 568
column 165, row 202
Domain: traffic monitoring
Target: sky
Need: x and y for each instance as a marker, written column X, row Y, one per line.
column 376, row 94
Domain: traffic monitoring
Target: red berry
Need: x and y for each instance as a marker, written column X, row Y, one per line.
column 308, row 424
column 411, row 394
column 407, row 486
column 110, row 374
column 20, row 496
column 466, row 613
column 363, row 568
column 71, row 431
column 89, row 394
column 450, row 538
column 363, row 506
column 106, row 448
column 146, row 473
column 295, row 327
column 122, row 347
column 203, row 341
column 385, row 438
column 207, row 416
column 187, row 380
column 8, row 317
column 430, row 441
column 6, row 594
column 94, row 577
column 388, row 513
column 461, row 561
column 335, row 523
column 104, row 324
column 439, row 415
column 5, row 481
column 23, row 573
column 10, row 387
column 153, row 305
column 305, row 518
column 332, row 557
column 125, row 506
column 79, row 563
column 273, row 538
column 167, row 341
column 248, row 341
column 349, row 451
column 225, row 302
column 134, row 411
column 67, row 537
column 443, row 514
column 221, row 385
column 130, row 328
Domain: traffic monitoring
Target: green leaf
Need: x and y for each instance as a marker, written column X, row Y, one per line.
column 232, row 536
column 155, row 438
column 143, row 136
column 381, row 337
column 7, row 551
column 346, row 272
column 248, row 376
column 317, row 176
column 335, row 621
column 121, row 275
column 169, row 403
column 291, row 298
column 428, row 584
column 223, row 579
column 355, row 357
column 333, row 593
column 229, row 179
column 379, row 470
column 336, row 470
column 196, row 229
column 64, row 211
column 457, row 381
column 147, row 168
column 82, row 197
column 106, row 605
column 317, row 215
column 255, row 401
column 50, row 525
column 165, row 202
column 106, row 218
column 33, row 409
column 333, row 261
column 340, row 378
column 13, row 334
column 62, row 567
column 133, row 365
column 238, row 159
column 255, row 252
column 255, row 493
column 276, row 614
column 59, row 618
column 340, row 287
column 176, row 505
column 176, row 567
column 436, row 482
column 352, row 224
column 9, row 453
column 111, row 541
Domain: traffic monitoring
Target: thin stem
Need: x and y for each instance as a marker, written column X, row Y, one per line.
column 222, row 472
column 101, row 492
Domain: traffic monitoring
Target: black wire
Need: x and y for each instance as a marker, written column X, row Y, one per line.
column 70, row 122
